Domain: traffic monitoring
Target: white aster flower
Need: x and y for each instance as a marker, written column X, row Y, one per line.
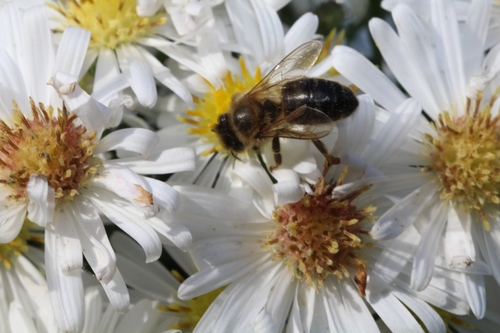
column 301, row 267
column 219, row 76
column 453, row 200
column 120, row 43
column 53, row 174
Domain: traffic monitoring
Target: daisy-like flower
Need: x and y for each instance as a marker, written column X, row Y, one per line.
column 219, row 77
column 453, row 199
column 303, row 266
column 52, row 170
column 23, row 289
column 154, row 281
column 119, row 42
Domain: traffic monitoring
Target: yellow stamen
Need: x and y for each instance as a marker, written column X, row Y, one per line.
column 112, row 22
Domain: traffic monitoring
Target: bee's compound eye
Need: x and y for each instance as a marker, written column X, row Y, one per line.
column 244, row 119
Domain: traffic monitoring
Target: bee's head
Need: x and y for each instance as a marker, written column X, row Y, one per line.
column 227, row 135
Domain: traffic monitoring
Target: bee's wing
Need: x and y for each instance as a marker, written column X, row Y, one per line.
column 304, row 123
column 293, row 66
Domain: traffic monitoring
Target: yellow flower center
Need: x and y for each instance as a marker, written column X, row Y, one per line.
column 9, row 251
column 51, row 146
column 215, row 102
column 320, row 236
column 465, row 156
column 111, row 22
column 193, row 312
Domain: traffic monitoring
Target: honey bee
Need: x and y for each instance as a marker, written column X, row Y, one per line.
column 286, row 104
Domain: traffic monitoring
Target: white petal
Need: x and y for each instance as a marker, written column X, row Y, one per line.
column 474, row 37
column 432, row 321
column 213, row 277
column 444, row 291
column 165, row 76
column 211, row 203
column 95, row 243
column 352, row 305
column 246, row 29
column 35, row 283
column 93, row 309
column 70, row 259
column 255, row 176
column 271, row 31
column 11, row 222
column 129, row 185
column 400, row 60
column 152, row 279
column 42, row 200
column 39, row 50
column 458, row 246
column 167, row 161
column 140, row 318
column 106, row 68
column 476, row 293
column 399, row 124
column 93, row 114
column 415, row 35
column 19, row 320
column 137, row 140
column 490, row 244
column 142, row 82
column 163, row 194
column 259, row 292
column 361, row 122
column 11, row 25
column 147, row 7
column 65, row 289
column 305, row 307
column 392, row 260
column 177, row 233
column 448, row 44
column 12, row 88
column 300, row 32
column 117, row 292
column 367, row 77
column 71, row 51
column 128, row 219
column 423, row 263
column 394, row 221
column 287, row 192
column 394, row 314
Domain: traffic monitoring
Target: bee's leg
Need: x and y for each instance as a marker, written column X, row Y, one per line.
column 277, row 153
column 329, row 159
column 235, row 156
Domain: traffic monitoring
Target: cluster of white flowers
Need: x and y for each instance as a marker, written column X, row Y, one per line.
column 287, row 183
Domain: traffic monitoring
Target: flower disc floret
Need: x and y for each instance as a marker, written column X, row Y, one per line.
column 111, row 22
column 465, row 156
column 321, row 235
column 56, row 147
